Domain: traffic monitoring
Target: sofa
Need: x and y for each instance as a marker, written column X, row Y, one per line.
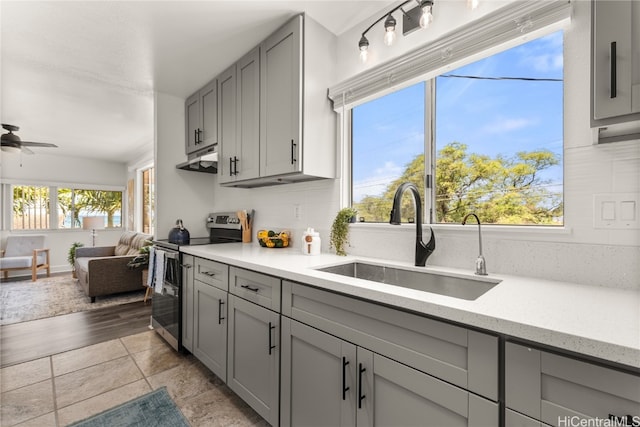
column 103, row 270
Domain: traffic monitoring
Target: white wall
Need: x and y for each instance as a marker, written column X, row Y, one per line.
column 578, row 253
column 50, row 169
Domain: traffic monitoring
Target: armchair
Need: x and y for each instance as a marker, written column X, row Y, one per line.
column 25, row 252
column 103, row 270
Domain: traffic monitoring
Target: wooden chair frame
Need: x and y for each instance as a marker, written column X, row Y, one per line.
column 34, row 265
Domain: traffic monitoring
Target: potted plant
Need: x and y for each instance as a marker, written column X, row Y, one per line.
column 142, row 259
column 71, row 257
column 340, row 229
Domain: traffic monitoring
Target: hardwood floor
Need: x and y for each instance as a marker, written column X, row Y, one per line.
column 22, row 342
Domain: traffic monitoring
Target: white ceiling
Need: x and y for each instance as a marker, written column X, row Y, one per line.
column 81, row 74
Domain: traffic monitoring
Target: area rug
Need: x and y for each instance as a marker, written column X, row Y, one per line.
column 153, row 409
column 52, row 296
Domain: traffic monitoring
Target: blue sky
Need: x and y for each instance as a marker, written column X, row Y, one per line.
column 491, row 117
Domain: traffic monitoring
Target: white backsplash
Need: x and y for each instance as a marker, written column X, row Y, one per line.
column 588, row 264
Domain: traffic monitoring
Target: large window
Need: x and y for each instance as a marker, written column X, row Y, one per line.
column 42, row 207
column 493, row 146
column 148, row 201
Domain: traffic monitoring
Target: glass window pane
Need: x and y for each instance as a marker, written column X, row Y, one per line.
column 387, row 149
column 499, row 137
column 30, row 208
column 75, row 204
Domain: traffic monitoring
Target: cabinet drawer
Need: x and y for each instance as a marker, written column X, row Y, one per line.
column 553, row 388
column 212, row 273
column 465, row 358
column 516, row 419
column 262, row 289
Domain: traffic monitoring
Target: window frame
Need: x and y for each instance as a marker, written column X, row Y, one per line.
column 7, row 205
column 368, row 86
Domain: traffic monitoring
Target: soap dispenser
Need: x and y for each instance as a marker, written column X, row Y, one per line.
column 311, row 242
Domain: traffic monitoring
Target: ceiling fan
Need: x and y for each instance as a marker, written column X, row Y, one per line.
column 12, row 143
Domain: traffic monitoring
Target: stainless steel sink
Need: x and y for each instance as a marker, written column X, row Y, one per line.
column 457, row 287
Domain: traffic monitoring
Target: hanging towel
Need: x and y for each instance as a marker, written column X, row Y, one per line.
column 159, row 276
column 151, row 277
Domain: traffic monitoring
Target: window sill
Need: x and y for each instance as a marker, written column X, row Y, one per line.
column 487, row 229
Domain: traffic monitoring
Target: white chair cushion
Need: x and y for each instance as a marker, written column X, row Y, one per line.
column 16, row 262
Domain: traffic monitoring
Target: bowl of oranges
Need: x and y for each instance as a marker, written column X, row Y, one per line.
column 272, row 239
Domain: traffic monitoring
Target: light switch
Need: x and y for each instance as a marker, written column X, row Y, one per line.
column 608, row 211
column 628, row 210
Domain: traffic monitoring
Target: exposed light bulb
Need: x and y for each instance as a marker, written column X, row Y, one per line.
column 364, row 54
column 389, row 30
column 363, row 45
column 473, row 4
column 427, row 17
column 389, row 37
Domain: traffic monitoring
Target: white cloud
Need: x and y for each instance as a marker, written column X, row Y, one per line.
column 501, row 125
column 376, row 183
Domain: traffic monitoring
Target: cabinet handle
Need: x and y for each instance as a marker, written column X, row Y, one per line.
column 199, row 137
column 293, row 145
column 271, row 347
column 361, row 396
column 186, row 265
column 249, row 288
column 195, row 136
column 613, row 69
column 345, row 389
column 209, row 273
column 220, row 318
column 230, row 166
column 235, row 165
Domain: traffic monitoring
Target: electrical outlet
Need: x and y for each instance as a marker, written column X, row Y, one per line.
column 297, row 211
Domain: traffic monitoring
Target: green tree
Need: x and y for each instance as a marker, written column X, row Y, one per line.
column 501, row 190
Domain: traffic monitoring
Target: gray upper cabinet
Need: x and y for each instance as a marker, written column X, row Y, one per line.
column 227, row 124
column 615, row 61
column 201, row 119
column 281, row 100
column 554, row 389
column 239, row 106
column 295, row 125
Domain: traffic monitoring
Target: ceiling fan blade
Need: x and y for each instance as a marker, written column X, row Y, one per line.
column 25, row 150
column 37, row 144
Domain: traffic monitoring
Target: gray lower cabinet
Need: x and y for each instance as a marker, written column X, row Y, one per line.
column 210, row 327
column 187, row 301
column 327, row 381
column 253, row 370
column 558, row 390
column 318, row 381
column 462, row 357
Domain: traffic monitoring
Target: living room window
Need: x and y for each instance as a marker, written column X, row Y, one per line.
column 148, row 200
column 37, row 207
column 486, row 137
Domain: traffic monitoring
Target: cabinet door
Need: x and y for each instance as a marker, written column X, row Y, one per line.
column 187, row 302
column 556, row 389
column 254, row 356
column 612, row 58
column 281, row 100
column 227, row 124
column 210, row 327
column 248, row 116
column 318, row 378
column 209, row 118
column 192, row 122
column 393, row 394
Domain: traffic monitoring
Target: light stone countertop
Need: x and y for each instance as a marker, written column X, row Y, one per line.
column 601, row 322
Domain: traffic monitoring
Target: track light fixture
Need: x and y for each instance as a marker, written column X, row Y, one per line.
column 421, row 16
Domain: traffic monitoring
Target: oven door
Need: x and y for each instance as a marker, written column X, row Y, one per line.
column 166, row 305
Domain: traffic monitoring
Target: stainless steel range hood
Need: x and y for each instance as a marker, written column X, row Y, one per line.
column 206, row 161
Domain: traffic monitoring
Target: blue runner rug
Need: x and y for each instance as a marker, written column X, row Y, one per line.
column 155, row 409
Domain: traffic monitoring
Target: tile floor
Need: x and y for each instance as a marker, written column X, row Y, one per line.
column 60, row 389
